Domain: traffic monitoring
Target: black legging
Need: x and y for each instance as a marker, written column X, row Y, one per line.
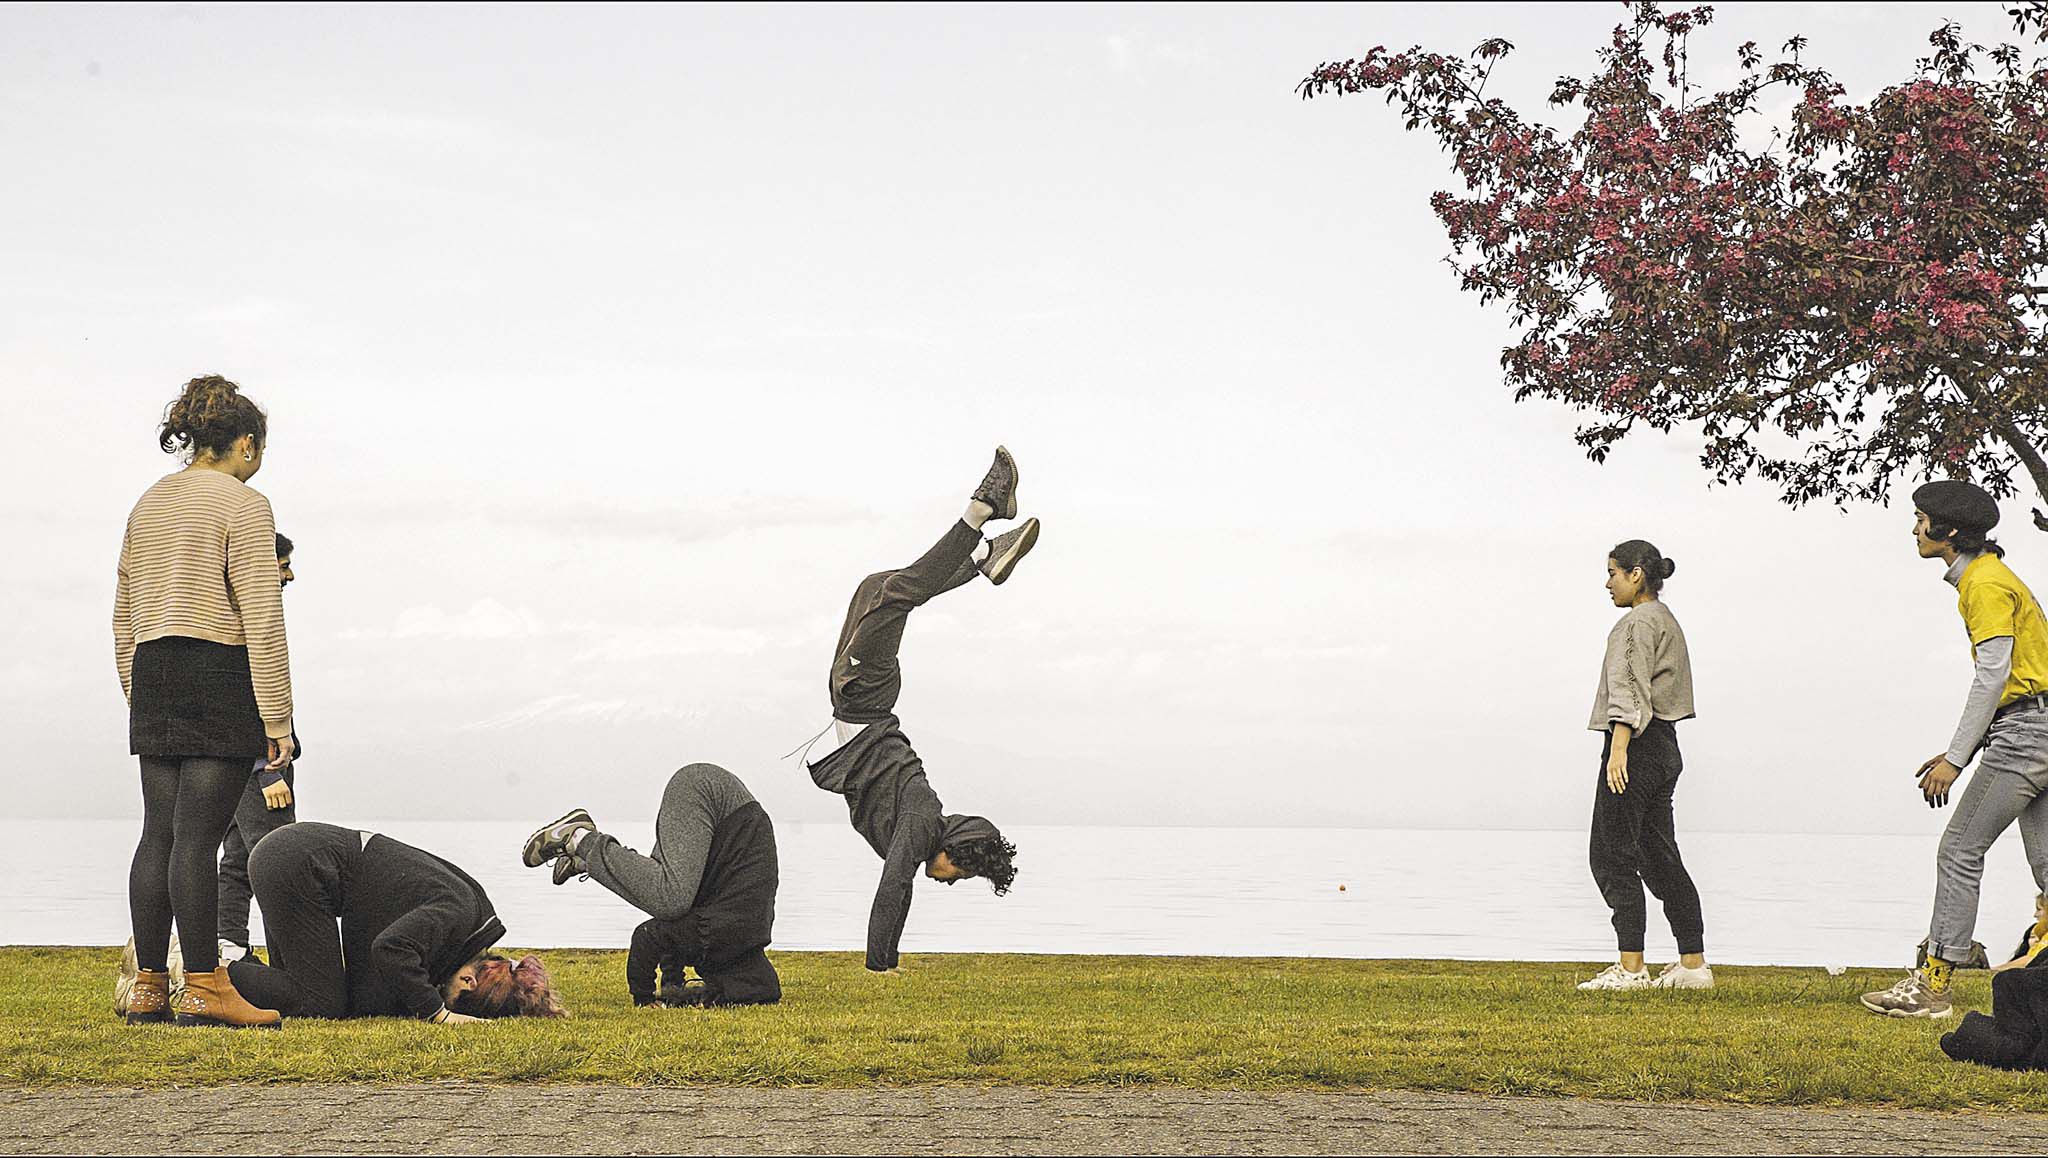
column 187, row 804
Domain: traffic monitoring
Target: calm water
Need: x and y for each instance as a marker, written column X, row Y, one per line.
column 1770, row 899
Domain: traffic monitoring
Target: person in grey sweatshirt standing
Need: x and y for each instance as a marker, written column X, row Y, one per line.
column 868, row 759
column 1645, row 689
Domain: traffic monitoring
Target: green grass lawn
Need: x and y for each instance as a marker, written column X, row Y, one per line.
column 1765, row 1035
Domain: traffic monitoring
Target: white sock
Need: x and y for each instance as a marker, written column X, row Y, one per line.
column 980, row 554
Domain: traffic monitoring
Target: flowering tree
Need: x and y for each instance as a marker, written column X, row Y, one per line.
column 1856, row 296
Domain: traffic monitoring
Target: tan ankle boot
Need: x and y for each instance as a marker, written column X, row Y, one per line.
column 149, row 1000
column 210, row 999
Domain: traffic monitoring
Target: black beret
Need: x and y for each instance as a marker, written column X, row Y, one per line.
column 1954, row 503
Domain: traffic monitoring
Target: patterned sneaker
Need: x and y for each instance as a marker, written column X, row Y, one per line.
column 999, row 487
column 552, row 841
column 1911, row 997
column 1615, row 977
column 1676, row 976
column 1004, row 551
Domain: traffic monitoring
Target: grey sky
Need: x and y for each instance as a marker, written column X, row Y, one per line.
column 606, row 349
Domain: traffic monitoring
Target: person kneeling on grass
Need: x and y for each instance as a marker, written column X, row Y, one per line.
column 709, row 888
column 361, row 925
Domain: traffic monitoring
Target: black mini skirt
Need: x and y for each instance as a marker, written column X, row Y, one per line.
column 193, row 697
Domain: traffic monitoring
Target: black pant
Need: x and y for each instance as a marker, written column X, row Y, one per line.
column 187, row 805
column 2015, row 1036
column 866, row 678
column 1635, row 843
column 300, row 873
column 254, row 820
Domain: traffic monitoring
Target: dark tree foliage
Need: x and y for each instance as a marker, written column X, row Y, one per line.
column 1838, row 295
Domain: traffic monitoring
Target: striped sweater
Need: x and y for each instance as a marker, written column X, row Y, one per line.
column 199, row 559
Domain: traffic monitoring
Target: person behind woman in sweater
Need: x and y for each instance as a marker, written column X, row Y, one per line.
column 361, row 925
column 869, row 760
column 267, row 805
column 199, row 643
column 2004, row 727
column 1645, row 689
column 708, row 888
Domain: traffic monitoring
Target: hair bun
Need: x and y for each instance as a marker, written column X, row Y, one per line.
column 1670, row 568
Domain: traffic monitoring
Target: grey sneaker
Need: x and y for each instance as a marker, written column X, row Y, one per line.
column 1911, row 997
column 1004, row 550
column 553, row 840
column 999, row 487
column 567, row 866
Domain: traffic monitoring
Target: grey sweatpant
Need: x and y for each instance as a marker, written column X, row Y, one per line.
column 665, row 883
column 2010, row 784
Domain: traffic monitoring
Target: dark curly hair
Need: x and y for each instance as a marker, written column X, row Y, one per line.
column 210, row 415
column 986, row 856
column 1966, row 541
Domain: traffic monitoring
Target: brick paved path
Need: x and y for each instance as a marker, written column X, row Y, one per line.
column 552, row 1119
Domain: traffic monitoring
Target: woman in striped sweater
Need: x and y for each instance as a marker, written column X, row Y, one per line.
column 199, row 642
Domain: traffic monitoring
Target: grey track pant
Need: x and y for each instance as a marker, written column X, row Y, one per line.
column 2010, row 784
column 665, row 884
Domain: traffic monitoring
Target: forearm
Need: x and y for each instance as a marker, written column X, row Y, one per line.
column 1994, row 667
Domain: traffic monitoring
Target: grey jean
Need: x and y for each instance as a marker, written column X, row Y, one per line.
column 2010, row 783
column 254, row 820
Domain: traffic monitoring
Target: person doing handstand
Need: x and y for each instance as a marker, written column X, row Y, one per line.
column 709, row 889
column 870, row 761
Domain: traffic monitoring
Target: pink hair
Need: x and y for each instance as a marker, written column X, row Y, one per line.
column 508, row 989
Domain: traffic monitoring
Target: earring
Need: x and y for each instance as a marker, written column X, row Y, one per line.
column 247, row 457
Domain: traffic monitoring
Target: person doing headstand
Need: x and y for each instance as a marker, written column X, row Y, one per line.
column 708, row 888
column 870, row 761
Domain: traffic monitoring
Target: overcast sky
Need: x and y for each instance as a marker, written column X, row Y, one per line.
column 606, row 349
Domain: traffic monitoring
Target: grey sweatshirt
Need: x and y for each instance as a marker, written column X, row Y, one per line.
column 893, row 806
column 1647, row 674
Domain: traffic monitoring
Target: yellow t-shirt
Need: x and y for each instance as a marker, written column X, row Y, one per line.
column 1994, row 602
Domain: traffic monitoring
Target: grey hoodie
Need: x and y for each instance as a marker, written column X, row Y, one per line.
column 893, row 806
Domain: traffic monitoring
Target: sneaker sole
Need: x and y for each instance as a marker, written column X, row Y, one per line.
column 1016, row 478
column 999, row 569
column 531, row 856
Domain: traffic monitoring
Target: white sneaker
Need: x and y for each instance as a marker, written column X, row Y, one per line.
column 231, row 952
column 1676, row 976
column 1615, row 977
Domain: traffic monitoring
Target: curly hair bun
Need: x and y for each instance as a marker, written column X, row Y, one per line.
column 211, row 414
column 1670, row 568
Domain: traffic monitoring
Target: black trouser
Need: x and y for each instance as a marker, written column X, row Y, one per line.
column 2015, row 1036
column 866, row 678
column 187, row 805
column 299, row 874
column 254, row 820
column 1635, row 843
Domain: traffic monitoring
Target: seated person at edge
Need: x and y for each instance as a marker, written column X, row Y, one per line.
column 2015, row 1034
column 361, row 925
column 869, row 760
column 708, row 888
column 267, row 805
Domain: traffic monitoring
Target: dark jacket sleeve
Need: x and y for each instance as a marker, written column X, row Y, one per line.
column 402, row 952
column 641, row 958
column 916, row 837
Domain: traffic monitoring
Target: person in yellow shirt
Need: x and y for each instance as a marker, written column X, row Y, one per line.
column 2004, row 725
